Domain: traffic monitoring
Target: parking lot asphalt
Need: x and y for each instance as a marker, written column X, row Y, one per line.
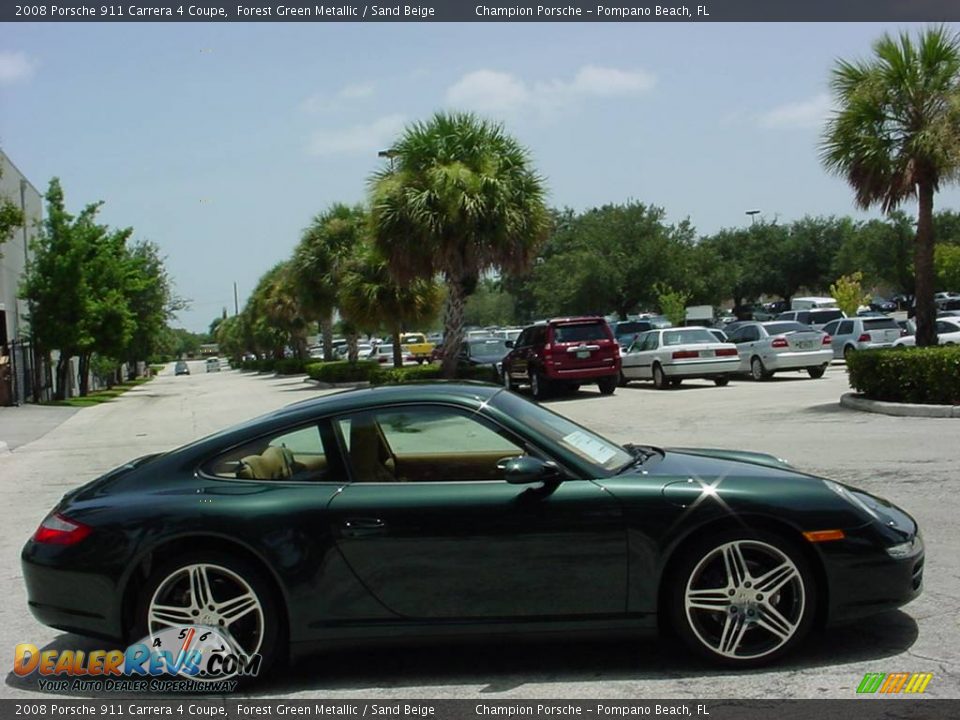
column 912, row 461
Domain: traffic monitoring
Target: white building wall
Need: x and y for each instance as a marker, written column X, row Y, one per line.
column 16, row 188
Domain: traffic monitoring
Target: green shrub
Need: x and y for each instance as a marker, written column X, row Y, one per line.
column 343, row 371
column 420, row 373
column 289, row 366
column 913, row 375
column 258, row 365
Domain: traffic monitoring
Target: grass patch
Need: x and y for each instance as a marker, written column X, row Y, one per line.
column 98, row 397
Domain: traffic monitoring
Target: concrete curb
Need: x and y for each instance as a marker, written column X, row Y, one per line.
column 854, row 401
column 336, row 386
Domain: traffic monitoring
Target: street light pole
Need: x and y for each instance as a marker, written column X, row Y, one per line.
column 753, row 215
column 389, row 154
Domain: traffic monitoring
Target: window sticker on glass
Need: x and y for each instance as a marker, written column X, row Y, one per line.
column 590, row 447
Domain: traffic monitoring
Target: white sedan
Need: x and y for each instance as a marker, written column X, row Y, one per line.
column 670, row 355
column 948, row 333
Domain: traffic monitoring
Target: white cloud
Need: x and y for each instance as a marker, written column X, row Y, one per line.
column 358, row 139
column 491, row 91
column 15, row 66
column 811, row 113
column 324, row 102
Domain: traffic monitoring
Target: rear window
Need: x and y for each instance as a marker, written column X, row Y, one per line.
column 824, row 316
column 881, row 324
column 580, row 332
column 687, row 337
column 779, row 328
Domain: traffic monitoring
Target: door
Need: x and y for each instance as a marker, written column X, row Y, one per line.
column 637, row 365
column 433, row 531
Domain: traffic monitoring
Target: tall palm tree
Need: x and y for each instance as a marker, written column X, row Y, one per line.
column 458, row 198
column 275, row 315
column 317, row 260
column 896, row 136
column 369, row 297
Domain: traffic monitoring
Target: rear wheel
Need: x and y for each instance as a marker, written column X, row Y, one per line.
column 659, row 379
column 216, row 590
column 721, row 381
column 507, row 382
column 742, row 599
column 607, row 384
column 758, row 371
column 848, row 351
column 539, row 385
column 816, row 372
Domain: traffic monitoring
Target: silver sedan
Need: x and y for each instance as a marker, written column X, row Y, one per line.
column 671, row 355
column 770, row 347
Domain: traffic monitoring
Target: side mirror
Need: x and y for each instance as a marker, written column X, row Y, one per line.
column 525, row 469
column 509, row 343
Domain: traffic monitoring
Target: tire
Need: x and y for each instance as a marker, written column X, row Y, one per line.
column 607, row 384
column 539, row 385
column 742, row 599
column 721, row 381
column 256, row 629
column 816, row 372
column 659, row 379
column 758, row 371
column 507, row 382
column 848, row 351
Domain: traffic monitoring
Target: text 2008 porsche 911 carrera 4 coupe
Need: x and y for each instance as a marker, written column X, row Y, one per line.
column 459, row 508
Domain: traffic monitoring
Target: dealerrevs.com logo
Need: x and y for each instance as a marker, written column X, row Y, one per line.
column 193, row 658
column 894, row 683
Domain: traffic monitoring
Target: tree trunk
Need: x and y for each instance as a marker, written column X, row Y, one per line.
column 84, row 373
column 397, row 350
column 353, row 352
column 453, row 326
column 63, row 372
column 923, row 268
column 326, row 330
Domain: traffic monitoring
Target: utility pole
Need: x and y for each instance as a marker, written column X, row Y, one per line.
column 236, row 302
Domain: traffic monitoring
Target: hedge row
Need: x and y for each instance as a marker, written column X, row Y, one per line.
column 372, row 372
column 266, row 365
column 913, row 375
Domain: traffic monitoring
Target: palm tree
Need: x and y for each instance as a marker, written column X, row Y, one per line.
column 317, row 260
column 369, row 297
column 459, row 198
column 896, row 136
column 275, row 315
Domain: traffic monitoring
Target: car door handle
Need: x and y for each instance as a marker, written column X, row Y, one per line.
column 363, row 527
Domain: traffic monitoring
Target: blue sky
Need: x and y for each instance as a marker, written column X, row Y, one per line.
column 219, row 142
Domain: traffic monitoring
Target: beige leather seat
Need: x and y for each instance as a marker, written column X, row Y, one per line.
column 273, row 464
column 366, row 451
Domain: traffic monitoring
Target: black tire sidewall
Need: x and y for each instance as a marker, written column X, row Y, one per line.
column 680, row 574
column 274, row 635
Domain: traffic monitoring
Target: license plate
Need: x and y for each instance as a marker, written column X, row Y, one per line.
column 805, row 344
column 707, row 353
column 583, row 354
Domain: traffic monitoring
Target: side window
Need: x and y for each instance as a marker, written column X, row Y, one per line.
column 524, row 339
column 846, row 327
column 831, row 328
column 638, row 342
column 292, row 455
column 652, row 342
column 424, row 444
column 539, row 336
column 751, row 333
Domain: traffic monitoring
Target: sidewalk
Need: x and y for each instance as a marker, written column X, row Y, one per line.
column 24, row 424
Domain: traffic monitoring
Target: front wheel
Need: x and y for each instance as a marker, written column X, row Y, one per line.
column 607, row 384
column 816, row 372
column 215, row 590
column 507, row 382
column 742, row 599
column 721, row 381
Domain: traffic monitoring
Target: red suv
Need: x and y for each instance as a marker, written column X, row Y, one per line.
column 563, row 354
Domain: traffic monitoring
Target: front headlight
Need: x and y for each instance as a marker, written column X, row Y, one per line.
column 852, row 498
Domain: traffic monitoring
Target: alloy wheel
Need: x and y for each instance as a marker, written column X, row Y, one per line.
column 745, row 600
column 757, row 371
column 211, row 595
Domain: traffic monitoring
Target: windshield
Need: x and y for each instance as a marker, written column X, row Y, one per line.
column 687, row 337
column 573, row 438
column 779, row 328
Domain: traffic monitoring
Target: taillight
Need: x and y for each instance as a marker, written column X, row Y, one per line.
column 685, row 354
column 864, row 337
column 827, row 340
column 727, row 351
column 59, row 530
column 780, row 342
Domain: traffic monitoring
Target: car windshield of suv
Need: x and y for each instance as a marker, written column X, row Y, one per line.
column 784, row 327
column 687, row 337
column 579, row 333
column 822, row 317
column 583, row 443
